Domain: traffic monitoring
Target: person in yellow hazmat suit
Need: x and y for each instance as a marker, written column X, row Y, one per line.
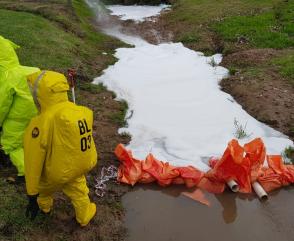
column 59, row 148
column 16, row 103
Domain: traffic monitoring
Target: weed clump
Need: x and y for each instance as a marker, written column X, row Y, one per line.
column 232, row 71
column 240, row 130
column 213, row 62
column 288, row 155
column 119, row 118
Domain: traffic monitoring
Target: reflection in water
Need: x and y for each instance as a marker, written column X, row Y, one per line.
column 228, row 203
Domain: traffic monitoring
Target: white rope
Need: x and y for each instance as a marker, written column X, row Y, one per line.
column 107, row 173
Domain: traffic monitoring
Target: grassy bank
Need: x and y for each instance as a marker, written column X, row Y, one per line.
column 57, row 35
column 230, row 26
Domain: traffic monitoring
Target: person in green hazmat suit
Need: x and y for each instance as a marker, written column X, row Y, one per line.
column 16, row 103
column 59, row 148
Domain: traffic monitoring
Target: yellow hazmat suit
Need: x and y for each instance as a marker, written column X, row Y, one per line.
column 59, row 147
column 16, row 103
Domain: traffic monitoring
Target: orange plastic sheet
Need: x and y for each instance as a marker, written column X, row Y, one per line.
column 232, row 166
column 277, row 175
column 150, row 170
column 243, row 164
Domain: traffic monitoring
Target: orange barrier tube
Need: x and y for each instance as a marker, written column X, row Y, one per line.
column 238, row 168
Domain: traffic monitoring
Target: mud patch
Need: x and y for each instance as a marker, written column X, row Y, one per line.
column 153, row 30
column 257, row 85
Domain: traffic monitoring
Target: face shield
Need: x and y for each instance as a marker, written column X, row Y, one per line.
column 34, row 85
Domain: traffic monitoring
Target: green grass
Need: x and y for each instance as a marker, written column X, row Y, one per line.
column 254, row 71
column 44, row 44
column 201, row 11
column 233, row 71
column 93, row 88
column 289, row 154
column 13, row 223
column 216, row 25
column 189, row 38
column 194, row 19
column 284, row 13
column 119, row 117
column 58, row 11
column 260, row 31
column 48, row 44
column 286, row 66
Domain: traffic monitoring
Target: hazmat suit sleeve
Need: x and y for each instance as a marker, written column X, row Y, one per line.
column 6, row 99
column 35, row 151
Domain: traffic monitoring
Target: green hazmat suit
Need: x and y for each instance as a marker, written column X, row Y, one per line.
column 16, row 103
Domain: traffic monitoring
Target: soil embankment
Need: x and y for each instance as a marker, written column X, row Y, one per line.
column 266, row 95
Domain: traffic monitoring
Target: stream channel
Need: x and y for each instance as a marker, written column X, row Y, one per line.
column 178, row 113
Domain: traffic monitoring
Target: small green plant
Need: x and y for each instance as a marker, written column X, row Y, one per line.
column 189, row 38
column 93, row 88
column 119, row 117
column 240, row 130
column 213, row 62
column 285, row 65
column 288, row 155
column 233, row 71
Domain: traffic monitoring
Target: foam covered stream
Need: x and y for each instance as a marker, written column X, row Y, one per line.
column 176, row 108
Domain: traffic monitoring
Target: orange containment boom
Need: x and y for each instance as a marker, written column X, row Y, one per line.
column 243, row 164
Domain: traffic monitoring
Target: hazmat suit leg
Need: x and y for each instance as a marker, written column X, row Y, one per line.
column 77, row 191
column 45, row 199
column 45, row 202
column 17, row 159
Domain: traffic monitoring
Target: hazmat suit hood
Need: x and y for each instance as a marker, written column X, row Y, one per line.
column 9, row 59
column 48, row 88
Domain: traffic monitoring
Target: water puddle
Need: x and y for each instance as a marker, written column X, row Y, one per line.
column 156, row 214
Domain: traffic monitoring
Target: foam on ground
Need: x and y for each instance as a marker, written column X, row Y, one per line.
column 176, row 108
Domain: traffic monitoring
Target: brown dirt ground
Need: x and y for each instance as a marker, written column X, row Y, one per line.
column 266, row 95
column 153, row 31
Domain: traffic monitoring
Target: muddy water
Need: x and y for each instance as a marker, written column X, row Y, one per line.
column 157, row 214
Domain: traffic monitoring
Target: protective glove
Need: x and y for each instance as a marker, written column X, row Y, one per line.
column 32, row 207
